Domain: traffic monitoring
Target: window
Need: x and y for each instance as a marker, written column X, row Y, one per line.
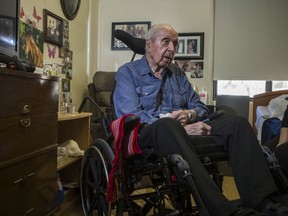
column 247, row 87
column 240, row 87
column 279, row 85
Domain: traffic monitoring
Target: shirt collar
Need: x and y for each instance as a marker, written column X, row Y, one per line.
column 145, row 68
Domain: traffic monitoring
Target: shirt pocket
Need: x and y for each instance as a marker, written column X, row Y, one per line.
column 147, row 95
column 180, row 97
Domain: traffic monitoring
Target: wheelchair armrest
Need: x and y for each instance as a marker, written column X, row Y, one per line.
column 214, row 115
column 130, row 122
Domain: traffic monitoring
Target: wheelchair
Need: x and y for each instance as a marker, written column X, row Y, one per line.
column 151, row 185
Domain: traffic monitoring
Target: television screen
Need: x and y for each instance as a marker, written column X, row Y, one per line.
column 9, row 20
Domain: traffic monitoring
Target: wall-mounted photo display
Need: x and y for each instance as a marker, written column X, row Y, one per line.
column 194, row 69
column 65, row 29
column 190, row 46
column 136, row 29
column 65, row 85
column 52, row 28
column 31, row 46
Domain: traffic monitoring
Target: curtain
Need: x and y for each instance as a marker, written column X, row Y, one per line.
column 251, row 40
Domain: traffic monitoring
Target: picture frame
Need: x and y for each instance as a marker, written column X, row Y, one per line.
column 136, row 29
column 65, row 85
column 70, row 8
column 52, row 28
column 190, row 46
column 193, row 68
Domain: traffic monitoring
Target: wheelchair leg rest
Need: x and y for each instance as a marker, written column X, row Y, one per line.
column 197, row 198
column 280, row 178
column 218, row 178
column 184, row 168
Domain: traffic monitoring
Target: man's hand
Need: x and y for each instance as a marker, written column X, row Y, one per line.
column 198, row 128
column 184, row 116
column 181, row 115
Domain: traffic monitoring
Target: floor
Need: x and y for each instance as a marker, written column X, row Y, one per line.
column 229, row 190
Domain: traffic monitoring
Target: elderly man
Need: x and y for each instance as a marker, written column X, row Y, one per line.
column 151, row 87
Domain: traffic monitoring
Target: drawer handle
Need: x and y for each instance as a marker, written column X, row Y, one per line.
column 25, row 122
column 23, row 179
column 26, row 109
column 29, row 211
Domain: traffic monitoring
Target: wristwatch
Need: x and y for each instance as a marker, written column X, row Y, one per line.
column 191, row 116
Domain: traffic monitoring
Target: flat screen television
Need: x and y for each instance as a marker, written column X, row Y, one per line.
column 9, row 27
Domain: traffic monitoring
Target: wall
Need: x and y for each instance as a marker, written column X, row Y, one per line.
column 78, row 34
column 251, row 40
column 90, row 32
column 184, row 16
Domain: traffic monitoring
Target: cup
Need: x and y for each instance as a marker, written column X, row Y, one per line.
column 71, row 108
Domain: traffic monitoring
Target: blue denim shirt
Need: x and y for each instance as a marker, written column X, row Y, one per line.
column 137, row 91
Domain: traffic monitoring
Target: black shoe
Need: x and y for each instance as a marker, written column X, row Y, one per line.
column 275, row 209
column 248, row 212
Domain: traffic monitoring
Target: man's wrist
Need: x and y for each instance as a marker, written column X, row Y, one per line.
column 191, row 116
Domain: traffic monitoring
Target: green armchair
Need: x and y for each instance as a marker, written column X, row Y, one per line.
column 100, row 91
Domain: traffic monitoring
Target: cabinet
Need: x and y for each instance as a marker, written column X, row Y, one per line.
column 28, row 143
column 76, row 127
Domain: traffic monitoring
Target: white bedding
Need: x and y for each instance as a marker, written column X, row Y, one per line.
column 262, row 113
column 275, row 108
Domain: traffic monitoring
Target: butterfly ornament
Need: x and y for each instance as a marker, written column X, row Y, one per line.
column 51, row 51
column 35, row 15
column 22, row 13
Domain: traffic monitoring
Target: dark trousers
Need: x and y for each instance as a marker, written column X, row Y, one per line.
column 252, row 176
column 281, row 153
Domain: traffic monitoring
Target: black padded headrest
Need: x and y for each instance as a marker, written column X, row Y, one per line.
column 137, row 45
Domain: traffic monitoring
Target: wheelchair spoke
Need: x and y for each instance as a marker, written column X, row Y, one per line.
column 102, row 206
column 93, row 204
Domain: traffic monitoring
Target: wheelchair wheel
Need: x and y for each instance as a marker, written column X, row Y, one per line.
column 95, row 168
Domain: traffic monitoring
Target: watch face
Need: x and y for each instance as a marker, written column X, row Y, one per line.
column 70, row 8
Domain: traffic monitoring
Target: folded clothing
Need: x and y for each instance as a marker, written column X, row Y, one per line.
column 72, row 148
column 62, row 154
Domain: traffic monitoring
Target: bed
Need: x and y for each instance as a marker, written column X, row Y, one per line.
column 261, row 114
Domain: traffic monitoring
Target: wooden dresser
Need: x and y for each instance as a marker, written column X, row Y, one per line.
column 28, row 143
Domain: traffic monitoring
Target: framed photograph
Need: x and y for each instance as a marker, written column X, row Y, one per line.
column 191, row 46
column 65, row 29
column 65, row 85
column 193, row 68
column 53, row 28
column 136, row 29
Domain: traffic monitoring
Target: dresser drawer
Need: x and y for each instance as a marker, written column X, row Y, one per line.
column 27, row 96
column 29, row 186
column 22, row 135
